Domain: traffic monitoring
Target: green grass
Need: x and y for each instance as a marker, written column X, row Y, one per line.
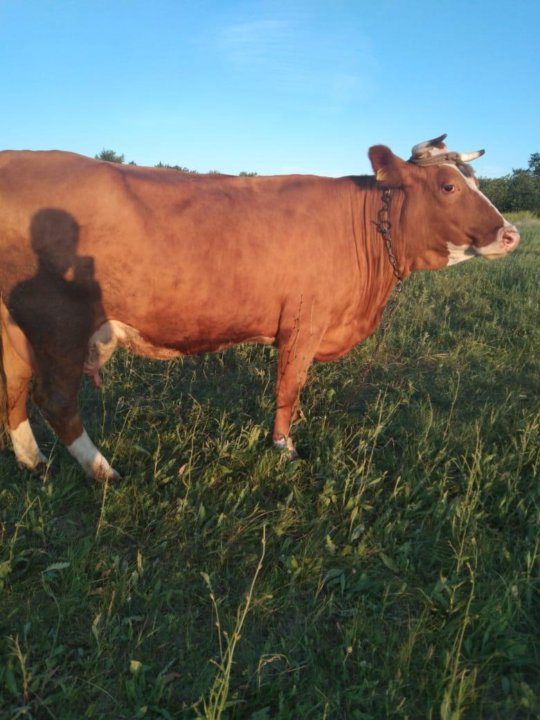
column 392, row 572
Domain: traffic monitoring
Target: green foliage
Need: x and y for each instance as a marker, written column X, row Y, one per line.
column 180, row 168
column 496, row 189
column 518, row 191
column 110, row 156
column 524, row 192
column 534, row 164
column 393, row 572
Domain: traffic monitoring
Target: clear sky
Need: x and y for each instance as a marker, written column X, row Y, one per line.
column 273, row 86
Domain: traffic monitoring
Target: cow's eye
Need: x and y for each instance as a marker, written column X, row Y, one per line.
column 449, row 188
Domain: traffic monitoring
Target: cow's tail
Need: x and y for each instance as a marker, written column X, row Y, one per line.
column 3, row 396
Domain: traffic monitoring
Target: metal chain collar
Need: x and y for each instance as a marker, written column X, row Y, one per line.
column 384, row 225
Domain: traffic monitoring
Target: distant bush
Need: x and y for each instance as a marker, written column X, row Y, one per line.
column 180, row 168
column 110, row 156
column 516, row 192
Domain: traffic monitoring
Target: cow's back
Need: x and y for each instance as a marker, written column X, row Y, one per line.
column 182, row 256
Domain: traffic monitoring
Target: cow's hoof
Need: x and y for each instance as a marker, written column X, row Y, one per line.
column 105, row 475
column 286, row 446
column 38, row 470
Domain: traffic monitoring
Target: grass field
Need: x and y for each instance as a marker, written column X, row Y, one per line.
column 392, row 572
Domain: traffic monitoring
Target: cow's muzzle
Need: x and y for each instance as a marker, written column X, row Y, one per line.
column 506, row 241
column 509, row 238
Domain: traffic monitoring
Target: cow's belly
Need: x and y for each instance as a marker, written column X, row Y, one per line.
column 114, row 333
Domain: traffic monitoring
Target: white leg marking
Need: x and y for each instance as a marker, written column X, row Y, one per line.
column 91, row 460
column 25, row 446
column 286, row 444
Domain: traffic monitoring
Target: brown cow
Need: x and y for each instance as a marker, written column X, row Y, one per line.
column 96, row 254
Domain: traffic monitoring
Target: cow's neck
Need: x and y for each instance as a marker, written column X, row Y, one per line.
column 384, row 225
column 378, row 212
column 377, row 276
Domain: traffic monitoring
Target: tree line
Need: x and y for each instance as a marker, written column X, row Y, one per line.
column 518, row 191
column 112, row 156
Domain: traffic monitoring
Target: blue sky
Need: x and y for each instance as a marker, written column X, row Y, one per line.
column 273, row 86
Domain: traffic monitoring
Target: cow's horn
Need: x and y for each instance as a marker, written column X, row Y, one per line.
column 421, row 147
column 468, row 156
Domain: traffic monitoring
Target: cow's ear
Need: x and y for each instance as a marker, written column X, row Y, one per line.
column 389, row 170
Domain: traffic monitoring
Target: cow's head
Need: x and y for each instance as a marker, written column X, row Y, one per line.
column 444, row 219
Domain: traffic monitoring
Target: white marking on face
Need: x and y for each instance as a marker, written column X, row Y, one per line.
column 459, row 253
column 91, row 460
column 25, row 446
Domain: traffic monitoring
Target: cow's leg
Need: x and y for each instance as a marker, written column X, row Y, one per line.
column 296, row 352
column 18, row 373
column 56, row 393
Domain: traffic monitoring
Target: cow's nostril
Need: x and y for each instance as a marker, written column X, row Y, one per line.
column 510, row 239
